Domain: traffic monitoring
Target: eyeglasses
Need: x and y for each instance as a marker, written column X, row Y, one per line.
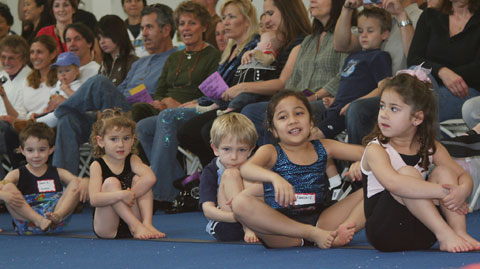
column 10, row 58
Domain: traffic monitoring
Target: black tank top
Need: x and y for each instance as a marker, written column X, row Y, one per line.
column 125, row 177
column 28, row 183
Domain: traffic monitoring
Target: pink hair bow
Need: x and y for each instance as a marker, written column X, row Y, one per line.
column 418, row 72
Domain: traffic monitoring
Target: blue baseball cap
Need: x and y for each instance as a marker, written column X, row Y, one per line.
column 67, row 58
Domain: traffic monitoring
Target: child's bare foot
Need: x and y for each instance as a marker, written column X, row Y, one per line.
column 250, row 236
column 44, row 224
column 142, row 232
column 451, row 242
column 323, row 238
column 472, row 241
column 345, row 234
column 55, row 218
column 156, row 233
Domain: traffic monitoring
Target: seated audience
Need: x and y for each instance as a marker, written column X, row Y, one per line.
column 195, row 134
column 184, row 70
column 361, row 114
column 447, row 40
column 362, row 71
column 157, row 134
column 99, row 93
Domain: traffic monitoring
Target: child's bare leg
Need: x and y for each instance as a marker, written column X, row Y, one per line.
column 66, row 204
column 346, row 217
column 232, row 184
column 145, row 206
column 276, row 229
column 425, row 211
column 444, row 175
column 25, row 211
column 125, row 212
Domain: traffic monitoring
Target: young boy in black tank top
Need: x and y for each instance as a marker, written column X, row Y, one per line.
column 34, row 193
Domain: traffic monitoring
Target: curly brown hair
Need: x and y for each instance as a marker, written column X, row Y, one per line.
column 109, row 119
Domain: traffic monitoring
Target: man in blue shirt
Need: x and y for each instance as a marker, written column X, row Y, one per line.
column 99, row 93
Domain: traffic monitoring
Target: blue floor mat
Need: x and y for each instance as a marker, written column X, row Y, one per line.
column 78, row 248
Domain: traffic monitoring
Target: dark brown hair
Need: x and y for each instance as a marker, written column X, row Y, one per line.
column 272, row 105
column 446, row 6
column 295, row 21
column 113, row 27
column 34, row 78
column 380, row 14
column 336, row 9
column 38, row 130
column 420, row 97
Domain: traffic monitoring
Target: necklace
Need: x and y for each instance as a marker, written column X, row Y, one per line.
column 189, row 56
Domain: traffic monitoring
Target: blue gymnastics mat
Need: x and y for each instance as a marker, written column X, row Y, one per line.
column 188, row 246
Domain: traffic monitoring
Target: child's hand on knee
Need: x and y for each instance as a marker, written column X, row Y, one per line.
column 455, row 198
column 128, row 197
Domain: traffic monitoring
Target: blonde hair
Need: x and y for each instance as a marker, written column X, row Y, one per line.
column 234, row 124
column 249, row 14
column 273, row 38
column 108, row 120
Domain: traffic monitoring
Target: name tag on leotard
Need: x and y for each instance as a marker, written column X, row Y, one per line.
column 304, row 199
column 46, row 185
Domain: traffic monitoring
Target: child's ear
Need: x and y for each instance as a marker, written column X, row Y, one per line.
column 100, row 142
column 21, row 150
column 418, row 118
column 215, row 150
column 385, row 35
column 51, row 150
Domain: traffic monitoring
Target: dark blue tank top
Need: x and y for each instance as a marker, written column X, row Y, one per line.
column 28, row 183
column 125, row 177
column 308, row 181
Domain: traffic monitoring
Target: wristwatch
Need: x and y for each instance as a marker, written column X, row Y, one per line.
column 404, row 23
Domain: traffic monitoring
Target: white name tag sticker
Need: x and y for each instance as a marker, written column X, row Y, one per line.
column 46, row 185
column 305, row 199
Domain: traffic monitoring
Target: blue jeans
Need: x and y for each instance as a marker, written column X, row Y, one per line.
column 450, row 106
column 257, row 113
column 158, row 136
column 361, row 117
column 74, row 124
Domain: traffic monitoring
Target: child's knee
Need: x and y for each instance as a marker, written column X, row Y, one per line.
column 443, row 175
column 240, row 204
column 73, row 187
column 111, row 184
column 410, row 171
column 230, row 174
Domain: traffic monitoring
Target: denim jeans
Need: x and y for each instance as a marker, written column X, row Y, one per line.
column 74, row 125
column 449, row 105
column 361, row 117
column 257, row 113
column 471, row 111
column 158, row 136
